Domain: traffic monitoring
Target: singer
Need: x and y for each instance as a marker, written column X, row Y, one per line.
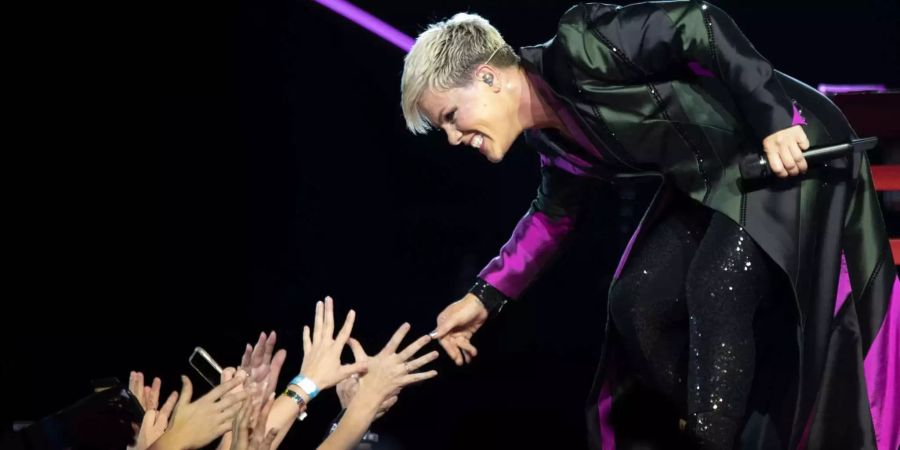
column 674, row 92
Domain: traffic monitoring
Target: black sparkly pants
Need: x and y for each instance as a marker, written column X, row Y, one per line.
column 684, row 308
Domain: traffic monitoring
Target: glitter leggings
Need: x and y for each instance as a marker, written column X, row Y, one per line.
column 684, row 309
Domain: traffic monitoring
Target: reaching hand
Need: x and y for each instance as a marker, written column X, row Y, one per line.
column 147, row 396
column 322, row 351
column 249, row 426
column 196, row 424
column 262, row 368
column 456, row 325
column 154, row 424
column 390, row 371
column 348, row 388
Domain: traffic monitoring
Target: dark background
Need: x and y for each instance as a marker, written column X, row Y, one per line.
column 195, row 172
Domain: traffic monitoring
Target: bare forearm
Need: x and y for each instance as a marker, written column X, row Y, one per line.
column 356, row 421
column 168, row 441
column 284, row 415
column 225, row 442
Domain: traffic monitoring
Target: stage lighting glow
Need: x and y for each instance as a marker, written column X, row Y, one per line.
column 844, row 88
column 369, row 22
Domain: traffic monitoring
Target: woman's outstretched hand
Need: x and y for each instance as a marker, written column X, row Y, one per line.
column 456, row 325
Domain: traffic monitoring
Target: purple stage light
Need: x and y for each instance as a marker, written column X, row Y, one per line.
column 405, row 42
column 369, row 22
column 844, row 88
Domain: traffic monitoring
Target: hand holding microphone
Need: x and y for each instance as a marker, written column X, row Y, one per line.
column 787, row 153
column 784, row 151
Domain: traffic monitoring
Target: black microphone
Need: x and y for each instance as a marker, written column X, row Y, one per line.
column 756, row 167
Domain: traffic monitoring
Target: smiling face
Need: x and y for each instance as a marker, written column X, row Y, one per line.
column 478, row 115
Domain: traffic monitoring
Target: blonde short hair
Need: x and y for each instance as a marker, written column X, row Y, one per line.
column 445, row 57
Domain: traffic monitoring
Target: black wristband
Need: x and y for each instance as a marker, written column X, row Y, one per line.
column 492, row 299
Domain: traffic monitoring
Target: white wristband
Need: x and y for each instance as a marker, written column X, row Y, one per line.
column 306, row 385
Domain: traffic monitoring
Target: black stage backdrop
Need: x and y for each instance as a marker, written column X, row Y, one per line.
column 197, row 172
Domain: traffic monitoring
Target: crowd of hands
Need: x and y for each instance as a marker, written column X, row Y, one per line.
column 246, row 411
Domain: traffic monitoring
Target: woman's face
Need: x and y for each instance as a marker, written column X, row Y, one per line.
column 478, row 115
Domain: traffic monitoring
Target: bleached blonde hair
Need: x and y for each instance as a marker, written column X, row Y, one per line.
column 444, row 57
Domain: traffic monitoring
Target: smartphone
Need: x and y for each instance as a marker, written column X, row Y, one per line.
column 206, row 366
